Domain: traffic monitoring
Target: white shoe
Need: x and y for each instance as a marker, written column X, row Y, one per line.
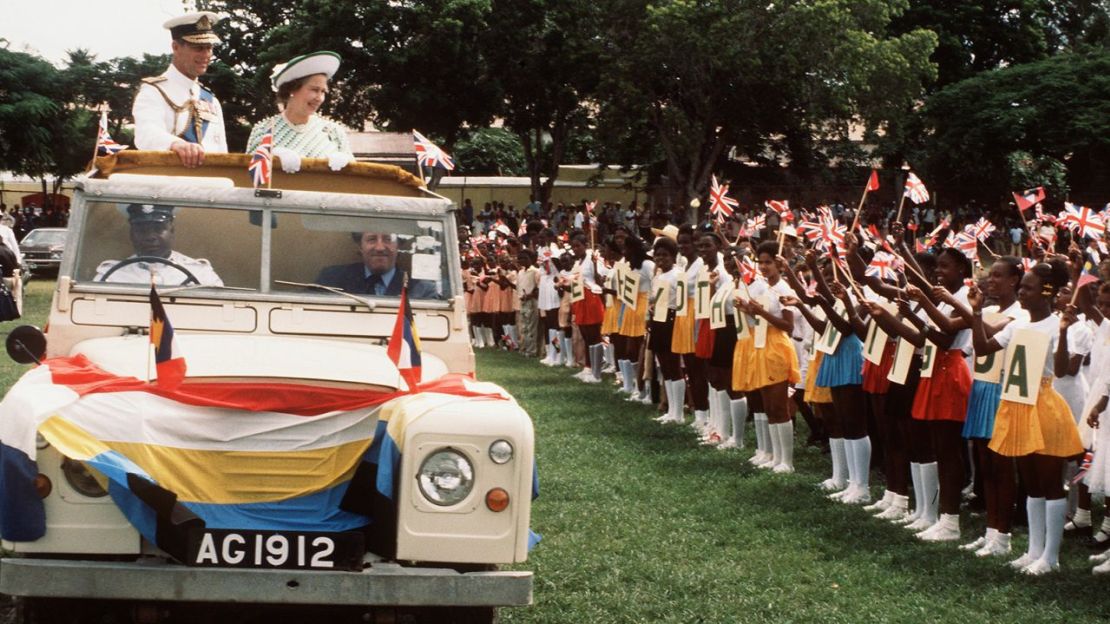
column 947, row 529
column 898, row 507
column 920, row 524
column 729, row 443
column 976, row 545
column 831, row 485
column 768, row 463
column 1021, row 562
column 609, row 369
column 783, row 468
column 842, row 493
column 882, row 503
column 1039, row 567
column 758, row 458
column 713, row 439
column 1100, row 557
column 998, row 546
column 858, row 496
column 1101, row 568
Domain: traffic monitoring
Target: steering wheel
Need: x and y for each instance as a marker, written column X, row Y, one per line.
column 189, row 277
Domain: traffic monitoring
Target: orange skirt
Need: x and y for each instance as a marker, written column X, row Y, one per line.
column 1046, row 428
column 610, row 322
column 682, row 339
column 588, row 311
column 776, row 362
column 634, row 320
column 815, row 393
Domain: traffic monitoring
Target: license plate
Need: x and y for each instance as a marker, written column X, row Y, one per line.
column 229, row 548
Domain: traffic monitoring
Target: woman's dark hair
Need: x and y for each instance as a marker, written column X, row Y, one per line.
column 926, row 260
column 866, row 253
column 717, row 239
column 959, row 258
column 1014, row 268
column 611, row 244
column 579, row 237
column 634, row 251
column 767, row 247
column 686, row 229
column 528, row 252
column 286, row 89
column 667, row 244
column 1053, row 273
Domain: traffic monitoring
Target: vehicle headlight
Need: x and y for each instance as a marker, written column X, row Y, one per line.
column 81, row 479
column 501, row 451
column 446, row 477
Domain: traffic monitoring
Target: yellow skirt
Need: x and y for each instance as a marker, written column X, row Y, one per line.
column 758, row 368
column 682, row 338
column 634, row 321
column 609, row 322
column 1046, row 428
column 815, row 393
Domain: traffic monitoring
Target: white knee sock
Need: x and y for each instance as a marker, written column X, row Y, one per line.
column 918, row 490
column 839, row 455
column 785, row 433
column 1055, row 515
column 738, row 412
column 776, row 443
column 1035, row 510
column 930, row 486
column 761, row 441
column 850, row 450
column 863, row 461
column 678, row 407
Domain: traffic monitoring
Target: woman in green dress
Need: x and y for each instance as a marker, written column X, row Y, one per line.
column 299, row 131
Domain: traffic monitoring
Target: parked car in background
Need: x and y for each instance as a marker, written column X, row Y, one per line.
column 42, row 251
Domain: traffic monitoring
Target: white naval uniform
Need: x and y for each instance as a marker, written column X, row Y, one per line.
column 164, row 274
column 157, row 126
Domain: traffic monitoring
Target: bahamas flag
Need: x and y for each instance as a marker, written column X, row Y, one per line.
column 404, row 343
column 243, row 455
column 167, row 357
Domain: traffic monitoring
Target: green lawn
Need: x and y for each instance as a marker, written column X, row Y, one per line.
column 640, row 524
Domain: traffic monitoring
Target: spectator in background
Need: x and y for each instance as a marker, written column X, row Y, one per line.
column 1016, row 235
column 534, row 206
column 467, row 212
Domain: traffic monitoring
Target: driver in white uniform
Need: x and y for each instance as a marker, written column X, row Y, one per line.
column 152, row 237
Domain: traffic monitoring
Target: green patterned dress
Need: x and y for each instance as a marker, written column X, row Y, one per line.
column 317, row 138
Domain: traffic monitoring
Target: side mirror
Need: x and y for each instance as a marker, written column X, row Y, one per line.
column 26, row 344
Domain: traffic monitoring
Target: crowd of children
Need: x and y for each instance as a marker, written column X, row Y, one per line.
column 955, row 373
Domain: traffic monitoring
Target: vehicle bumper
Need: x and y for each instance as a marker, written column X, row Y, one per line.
column 381, row 584
column 41, row 265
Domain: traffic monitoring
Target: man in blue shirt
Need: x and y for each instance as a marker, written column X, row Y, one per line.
column 377, row 274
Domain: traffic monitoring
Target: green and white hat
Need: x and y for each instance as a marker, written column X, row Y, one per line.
column 322, row 62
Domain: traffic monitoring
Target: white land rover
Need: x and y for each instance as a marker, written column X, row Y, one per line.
column 293, row 468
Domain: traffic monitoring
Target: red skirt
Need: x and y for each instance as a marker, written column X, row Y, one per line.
column 874, row 377
column 944, row 395
column 588, row 311
column 703, row 348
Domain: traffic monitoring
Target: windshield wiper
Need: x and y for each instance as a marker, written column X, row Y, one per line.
column 331, row 289
column 170, row 291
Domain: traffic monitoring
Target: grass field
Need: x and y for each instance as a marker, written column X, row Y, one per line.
column 642, row 525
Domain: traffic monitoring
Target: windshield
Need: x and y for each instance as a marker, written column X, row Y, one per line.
column 178, row 245
column 45, row 237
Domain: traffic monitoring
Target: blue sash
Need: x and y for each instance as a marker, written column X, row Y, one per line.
column 190, row 133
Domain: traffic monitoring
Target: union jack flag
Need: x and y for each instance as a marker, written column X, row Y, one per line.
column 721, row 205
column 781, row 207
column 262, row 160
column 915, row 190
column 105, row 146
column 756, row 225
column 428, row 154
column 1027, row 264
column 1083, row 221
column 982, row 229
column 883, row 266
column 967, row 244
column 811, row 230
column 748, row 271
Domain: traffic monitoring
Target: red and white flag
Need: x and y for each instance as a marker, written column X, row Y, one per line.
column 883, row 266
column 915, row 189
column 1083, row 221
column 721, row 206
column 872, row 182
column 262, row 160
column 1029, row 198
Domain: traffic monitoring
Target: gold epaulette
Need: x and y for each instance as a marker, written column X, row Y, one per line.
column 154, row 80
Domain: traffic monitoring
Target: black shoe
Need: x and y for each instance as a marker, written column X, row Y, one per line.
column 1099, row 542
column 1072, row 531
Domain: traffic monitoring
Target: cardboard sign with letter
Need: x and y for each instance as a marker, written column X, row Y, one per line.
column 577, row 292
column 830, row 338
column 989, row 367
column 761, row 324
column 741, row 320
column 659, row 287
column 681, row 299
column 1024, row 366
column 702, row 295
column 629, row 286
column 903, row 359
column 928, row 359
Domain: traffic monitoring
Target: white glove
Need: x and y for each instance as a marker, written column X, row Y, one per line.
column 338, row 160
column 290, row 160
